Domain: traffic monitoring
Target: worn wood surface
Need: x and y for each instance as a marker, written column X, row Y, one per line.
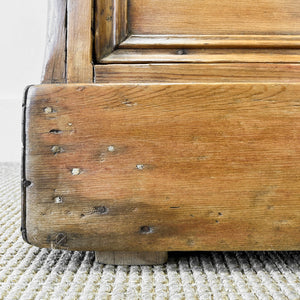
column 104, row 28
column 202, row 56
column 191, row 73
column 79, row 41
column 174, row 156
column 121, row 15
column 163, row 167
column 210, row 41
column 131, row 258
column 54, row 70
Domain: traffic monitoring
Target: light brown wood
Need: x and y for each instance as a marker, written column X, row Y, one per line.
column 163, row 167
column 131, row 258
column 202, row 56
column 110, row 26
column 104, row 28
column 54, row 70
column 214, row 17
column 210, row 41
column 182, row 25
column 120, row 16
column 190, row 143
column 192, row 73
column 79, row 41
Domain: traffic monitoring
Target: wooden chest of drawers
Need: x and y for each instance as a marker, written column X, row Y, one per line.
column 165, row 126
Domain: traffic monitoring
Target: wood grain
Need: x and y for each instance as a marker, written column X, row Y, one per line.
column 79, row 41
column 210, row 41
column 120, row 15
column 214, row 17
column 202, row 56
column 110, row 26
column 163, row 167
column 104, row 28
column 197, row 73
column 141, row 31
column 54, row 69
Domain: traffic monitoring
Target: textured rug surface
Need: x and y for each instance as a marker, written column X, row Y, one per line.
column 27, row 272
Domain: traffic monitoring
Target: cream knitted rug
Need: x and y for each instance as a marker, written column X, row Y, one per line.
column 27, row 272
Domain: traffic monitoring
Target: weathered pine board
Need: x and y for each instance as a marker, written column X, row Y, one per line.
column 197, row 73
column 131, row 56
column 54, row 70
column 110, row 26
column 79, row 41
column 163, row 167
column 210, row 41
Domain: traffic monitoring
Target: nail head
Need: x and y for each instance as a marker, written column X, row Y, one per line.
column 58, row 199
column 75, row 171
column 56, row 149
column 48, row 110
column 111, row 148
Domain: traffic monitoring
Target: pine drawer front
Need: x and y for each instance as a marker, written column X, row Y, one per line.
column 162, row 167
column 173, row 31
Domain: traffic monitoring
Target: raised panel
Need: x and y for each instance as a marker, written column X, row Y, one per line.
column 202, row 17
column 136, row 31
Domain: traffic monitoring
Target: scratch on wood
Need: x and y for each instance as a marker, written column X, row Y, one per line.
column 61, row 239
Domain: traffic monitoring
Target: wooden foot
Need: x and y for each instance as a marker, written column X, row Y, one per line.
column 131, row 258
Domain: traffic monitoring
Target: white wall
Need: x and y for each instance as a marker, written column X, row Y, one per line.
column 22, row 40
